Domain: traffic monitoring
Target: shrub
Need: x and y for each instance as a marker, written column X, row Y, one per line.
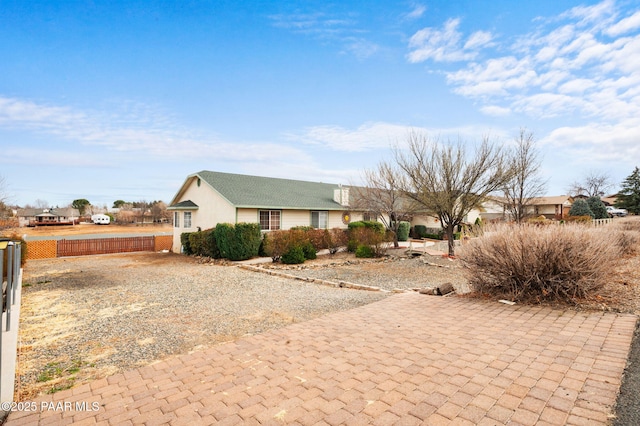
column 210, row 244
column 403, row 231
column 580, row 208
column 597, row 207
column 336, row 238
column 196, row 244
column 224, row 234
column 309, row 251
column 239, row 242
column 420, row 231
column 371, row 237
column 365, row 251
column 276, row 244
column 628, row 242
column 186, row 245
column 586, row 220
column 535, row 264
column 293, row 256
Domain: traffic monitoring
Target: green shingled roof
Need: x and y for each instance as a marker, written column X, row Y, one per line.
column 265, row 192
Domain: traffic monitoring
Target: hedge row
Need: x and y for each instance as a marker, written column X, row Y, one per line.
column 225, row 241
column 302, row 243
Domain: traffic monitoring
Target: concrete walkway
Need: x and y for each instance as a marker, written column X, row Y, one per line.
column 409, row 359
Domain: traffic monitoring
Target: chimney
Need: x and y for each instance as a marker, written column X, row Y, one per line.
column 341, row 196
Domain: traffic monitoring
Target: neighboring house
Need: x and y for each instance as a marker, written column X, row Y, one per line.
column 493, row 209
column 42, row 217
column 556, row 207
column 207, row 198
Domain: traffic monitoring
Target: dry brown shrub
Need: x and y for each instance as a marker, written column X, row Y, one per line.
column 628, row 242
column 627, row 235
column 529, row 263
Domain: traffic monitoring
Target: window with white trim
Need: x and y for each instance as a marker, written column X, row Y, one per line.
column 369, row 216
column 320, row 219
column 270, row 220
column 176, row 219
column 187, row 219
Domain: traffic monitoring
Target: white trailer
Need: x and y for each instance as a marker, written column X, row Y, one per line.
column 100, row 219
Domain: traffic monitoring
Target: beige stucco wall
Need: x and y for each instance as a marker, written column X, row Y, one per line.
column 212, row 209
column 292, row 218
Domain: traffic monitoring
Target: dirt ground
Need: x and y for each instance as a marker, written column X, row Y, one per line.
column 89, row 228
column 621, row 293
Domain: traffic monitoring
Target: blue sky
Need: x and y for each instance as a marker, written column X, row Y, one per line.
column 108, row 100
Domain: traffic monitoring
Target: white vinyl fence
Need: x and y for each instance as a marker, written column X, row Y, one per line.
column 11, row 277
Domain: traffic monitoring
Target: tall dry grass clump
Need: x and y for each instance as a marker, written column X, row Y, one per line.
column 529, row 263
column 628, row 235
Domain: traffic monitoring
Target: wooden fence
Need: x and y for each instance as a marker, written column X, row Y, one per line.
column 47, row 249
column 104, row 246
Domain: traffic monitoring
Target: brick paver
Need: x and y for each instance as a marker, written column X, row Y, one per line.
column 408, row 359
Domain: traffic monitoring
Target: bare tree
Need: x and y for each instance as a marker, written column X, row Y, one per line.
column 6, row 220
column 593, row 184
column 4, row 190
column 447, row 182
column 42, row 204
column 159, row 211
column 526, row 183
column 383, row 194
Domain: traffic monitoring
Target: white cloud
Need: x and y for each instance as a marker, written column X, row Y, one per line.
column 417, row 12
column 381, row 135
column 604, row 143
column 445, row 45
column 141, row 132
column 625, row 25
column 478, row 39
column 496, row 111
column 369, row 136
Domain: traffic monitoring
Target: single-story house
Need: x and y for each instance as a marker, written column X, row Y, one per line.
column 42, row 217
column 207, row 198
column 556, row 207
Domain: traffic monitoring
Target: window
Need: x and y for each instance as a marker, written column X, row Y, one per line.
column 270, row 220
column 320, row 220
column 187, row 219
column 369, row 216
column 176, row 219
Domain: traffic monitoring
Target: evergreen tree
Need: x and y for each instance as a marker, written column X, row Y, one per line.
column 629, row 195
column 597, row 207
column 580, row 208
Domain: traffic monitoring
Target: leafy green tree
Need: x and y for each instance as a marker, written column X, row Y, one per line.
column 597, row 207
column 81, row 204
column 580, row 208
column 118, row 204
column 629, row 195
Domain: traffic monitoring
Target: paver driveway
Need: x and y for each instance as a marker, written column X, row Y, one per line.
column 409, row 359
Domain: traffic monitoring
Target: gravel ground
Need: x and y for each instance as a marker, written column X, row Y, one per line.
column 89, row 317
column 393, row 272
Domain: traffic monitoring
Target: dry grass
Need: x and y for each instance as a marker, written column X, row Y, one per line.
column 89, row 228
column 529, row 263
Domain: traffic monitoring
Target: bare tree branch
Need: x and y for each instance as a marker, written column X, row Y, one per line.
column 526, row 183
column 383, row 195
column 593, row 184
column 448, row 183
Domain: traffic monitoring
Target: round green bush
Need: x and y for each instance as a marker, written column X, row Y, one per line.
column 293, row 256
column 309, row 251
column 364, row 251
column 403, row 231
column 580, row 208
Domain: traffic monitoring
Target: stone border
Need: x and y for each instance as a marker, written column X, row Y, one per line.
column 339, row 284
